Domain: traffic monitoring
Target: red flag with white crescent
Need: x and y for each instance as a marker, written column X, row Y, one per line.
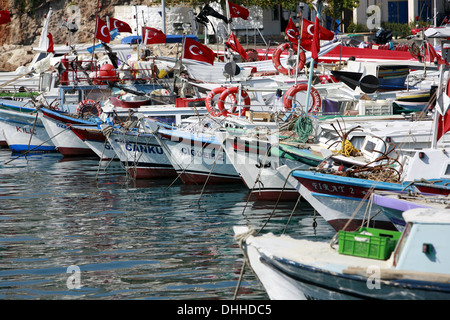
column 237, row 11
column 102, row 33
column 307, row 34
column 152, row 35
column 315, row 47
column 119, row 25
column 292, row 32
column 196, row 51
column 234, row 44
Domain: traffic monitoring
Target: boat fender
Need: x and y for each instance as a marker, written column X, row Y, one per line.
column 223, row 96
column 277, row 59
column 292, row 91
column 88, row 106
column 209, row 100
column 252, row 55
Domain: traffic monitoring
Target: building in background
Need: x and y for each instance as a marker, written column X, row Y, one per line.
column 272, row 22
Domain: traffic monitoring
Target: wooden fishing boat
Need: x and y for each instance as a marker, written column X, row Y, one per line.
column 411, row 265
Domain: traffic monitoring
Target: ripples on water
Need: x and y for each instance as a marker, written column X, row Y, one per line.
column 130, row 239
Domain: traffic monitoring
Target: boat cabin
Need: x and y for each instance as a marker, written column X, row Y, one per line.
column 423, row 245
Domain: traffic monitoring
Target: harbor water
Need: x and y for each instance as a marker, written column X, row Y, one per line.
column 74, row 229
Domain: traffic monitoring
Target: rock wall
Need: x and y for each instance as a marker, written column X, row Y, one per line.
column 18, row 37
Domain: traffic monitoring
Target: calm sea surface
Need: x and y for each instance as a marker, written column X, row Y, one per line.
column 70, row 230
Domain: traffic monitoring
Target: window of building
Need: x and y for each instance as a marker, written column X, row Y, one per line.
column 398, row 11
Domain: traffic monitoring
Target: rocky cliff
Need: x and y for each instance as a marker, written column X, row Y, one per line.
column 18, row 37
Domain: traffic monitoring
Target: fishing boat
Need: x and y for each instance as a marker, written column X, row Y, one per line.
column 140, row 153
column 412, row 264
column 95, row 139
column 196, row 153
column 67, row 142
column 393, row 204
column 23, row 129
column 257, row 160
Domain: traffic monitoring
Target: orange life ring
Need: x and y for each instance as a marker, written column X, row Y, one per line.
column 225, row 94
column 209, row 100
column 277, row 57
column 88, row 106
column 292, row 91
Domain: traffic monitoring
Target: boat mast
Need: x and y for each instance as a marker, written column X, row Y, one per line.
column 95, row 31
column 318, row 4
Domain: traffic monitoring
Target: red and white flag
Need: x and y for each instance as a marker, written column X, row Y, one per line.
column 119, row 25
column 315, row 46
column 307, row 34
column 443, row 125
column 196, row 51
column 51, row 45
column 5, row 16
column 234, row 44
column 292, row 32
column 102, row 33
column 152, row 35
column 237, row 11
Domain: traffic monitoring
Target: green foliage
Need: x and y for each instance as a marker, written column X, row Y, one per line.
column 335, row 8
column 357, row 28
column 27, row 6
column 401, row 30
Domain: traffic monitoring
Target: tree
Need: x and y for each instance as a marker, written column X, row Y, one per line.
column 336, row 8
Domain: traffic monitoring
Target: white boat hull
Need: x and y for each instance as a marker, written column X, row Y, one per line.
column 142, row 155
column 24, row 132
column 67, row 142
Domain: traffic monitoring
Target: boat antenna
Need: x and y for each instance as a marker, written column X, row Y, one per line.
column 95, row 31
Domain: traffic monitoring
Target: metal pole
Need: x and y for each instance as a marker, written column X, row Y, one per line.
column 163, row 3
column 311, row 61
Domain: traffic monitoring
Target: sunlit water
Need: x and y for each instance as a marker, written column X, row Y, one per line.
column 128, row 239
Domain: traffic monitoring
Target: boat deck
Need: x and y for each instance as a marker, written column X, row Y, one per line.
column 315, row 254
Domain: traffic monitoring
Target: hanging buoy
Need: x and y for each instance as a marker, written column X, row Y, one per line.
column 223, row 96
column 88, row 107
column 277, row 59
column 210, row 97
column 292, row 91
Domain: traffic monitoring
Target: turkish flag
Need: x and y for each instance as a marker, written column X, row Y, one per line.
column 234, row 44
column 196, row 51
column 102, row 33
column 443, row 125
column 119, row 25
column 307, row 34
column 5, row 17
column 238, row 11
column 315, row 46
column 51, row 47
column 152, row 35
column 292, row 32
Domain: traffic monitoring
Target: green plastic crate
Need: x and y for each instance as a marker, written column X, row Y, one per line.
column 378, row 245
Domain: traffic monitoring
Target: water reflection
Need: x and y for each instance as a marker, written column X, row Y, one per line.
column 131, row 239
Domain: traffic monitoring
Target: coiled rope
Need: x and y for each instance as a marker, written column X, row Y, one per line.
column 303, row 127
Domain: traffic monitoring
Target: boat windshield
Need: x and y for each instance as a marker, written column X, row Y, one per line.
column 402, row 242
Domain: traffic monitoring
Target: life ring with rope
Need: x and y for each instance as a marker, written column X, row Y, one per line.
column 223, row 96
column 209, row 100
column 292, row 91
column 276, row 58
column 88, row 107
